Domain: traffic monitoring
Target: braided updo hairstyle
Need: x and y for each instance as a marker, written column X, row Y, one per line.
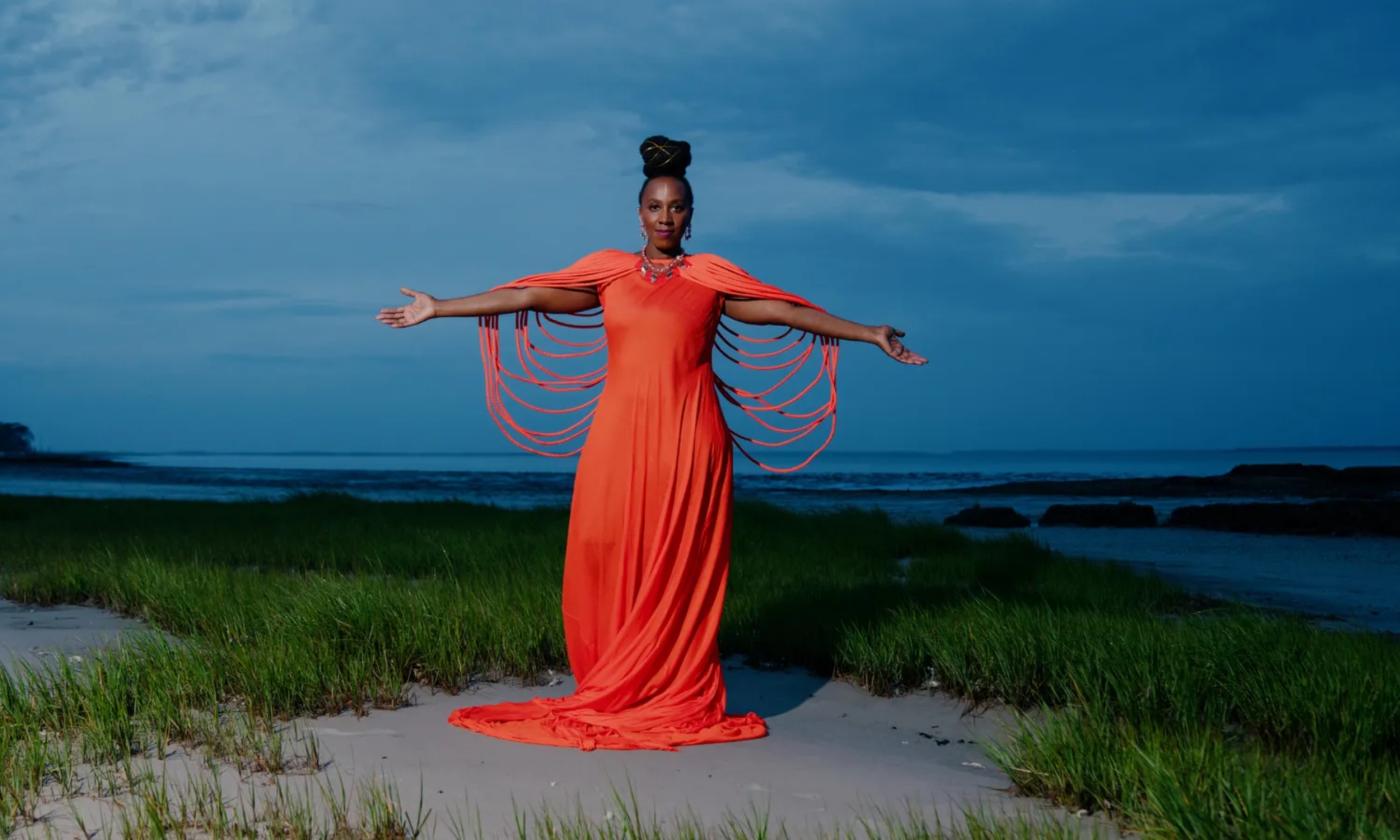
column 662, row 156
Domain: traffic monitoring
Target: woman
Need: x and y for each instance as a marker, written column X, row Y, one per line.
column 647, row 558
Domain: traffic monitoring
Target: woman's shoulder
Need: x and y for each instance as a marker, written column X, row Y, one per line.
column 603, row 259
column 607, row 254
column 616, row 258
column 702, row 258
column 715, row 263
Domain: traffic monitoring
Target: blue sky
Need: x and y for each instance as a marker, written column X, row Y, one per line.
column 1148, row 224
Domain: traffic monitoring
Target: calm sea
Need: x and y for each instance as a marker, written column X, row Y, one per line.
column 1355, row 579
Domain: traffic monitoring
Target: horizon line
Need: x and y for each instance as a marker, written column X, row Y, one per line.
column 995, row 451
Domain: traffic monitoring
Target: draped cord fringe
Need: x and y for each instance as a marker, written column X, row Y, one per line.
column 765, row 406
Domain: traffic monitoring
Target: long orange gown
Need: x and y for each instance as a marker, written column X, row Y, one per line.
column 647, row 558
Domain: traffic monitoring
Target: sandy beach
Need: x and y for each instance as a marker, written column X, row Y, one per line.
column 834, row 753
column 39, row 635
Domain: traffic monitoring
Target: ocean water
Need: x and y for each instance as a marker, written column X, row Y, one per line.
column 1356, row 580
column 522, row 479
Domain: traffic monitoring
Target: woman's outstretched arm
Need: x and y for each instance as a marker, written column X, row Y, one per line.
column 771, row 311
column 495, row 302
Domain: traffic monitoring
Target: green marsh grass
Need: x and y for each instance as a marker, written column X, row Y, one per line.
column 154, row 807
column 1181, row 717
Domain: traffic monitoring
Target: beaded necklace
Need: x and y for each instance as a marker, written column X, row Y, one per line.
column 653, row 271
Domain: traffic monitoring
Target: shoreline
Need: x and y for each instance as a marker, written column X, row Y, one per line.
column 1354, row 581
column 1242, row 481
column 73, row 460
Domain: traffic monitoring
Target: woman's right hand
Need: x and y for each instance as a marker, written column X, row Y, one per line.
column 887, row 338
column 423, row 307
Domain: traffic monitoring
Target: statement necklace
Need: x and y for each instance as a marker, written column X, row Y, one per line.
column 656, row 270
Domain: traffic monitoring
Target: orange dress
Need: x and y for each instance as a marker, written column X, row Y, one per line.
column 647, row 558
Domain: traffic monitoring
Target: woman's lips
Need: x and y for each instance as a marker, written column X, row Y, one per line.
column 663, row 231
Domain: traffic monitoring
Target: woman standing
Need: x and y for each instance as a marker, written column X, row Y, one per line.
column 647, row 559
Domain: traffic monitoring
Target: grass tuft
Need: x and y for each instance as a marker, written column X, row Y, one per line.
column 1177, row 716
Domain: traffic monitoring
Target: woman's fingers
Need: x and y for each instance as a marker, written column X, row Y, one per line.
column 416, row 312
column 895, row 348
column 402, row 316
column 394, row 316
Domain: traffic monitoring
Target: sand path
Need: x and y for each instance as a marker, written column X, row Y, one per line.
column 833, row 752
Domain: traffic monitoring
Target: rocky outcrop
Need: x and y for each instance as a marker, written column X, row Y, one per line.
column 1332, row 517
column 59, row 459
column 988, row 517
column 1122, row 515
column 1316, row 481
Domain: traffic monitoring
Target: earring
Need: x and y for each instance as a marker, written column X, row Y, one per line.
column 687, row 230
column 644, row 231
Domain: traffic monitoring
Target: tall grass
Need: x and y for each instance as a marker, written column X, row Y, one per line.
column 1182, row 717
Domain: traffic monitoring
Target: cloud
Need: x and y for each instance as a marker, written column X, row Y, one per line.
column 53, row 46
column 1100, row 225
column 281, row 360
column 235, row 303
column 1053, row 226
column 197, row 296
column 212, row 188
column 295, row 308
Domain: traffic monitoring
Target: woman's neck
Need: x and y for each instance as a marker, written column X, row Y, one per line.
column 652, row 252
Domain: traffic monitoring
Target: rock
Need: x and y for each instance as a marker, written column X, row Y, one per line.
column 1380, row 476
column 59, row 459
column 1315, row 481
column 1122, row 515
column 1331, row 517
column 1321, row 471
column 988, row 517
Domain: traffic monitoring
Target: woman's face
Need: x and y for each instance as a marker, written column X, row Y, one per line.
column 665, row 212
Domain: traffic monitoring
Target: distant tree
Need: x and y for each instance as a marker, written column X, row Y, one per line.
column 16, row 439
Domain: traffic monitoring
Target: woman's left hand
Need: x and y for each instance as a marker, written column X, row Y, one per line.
column 887, row 338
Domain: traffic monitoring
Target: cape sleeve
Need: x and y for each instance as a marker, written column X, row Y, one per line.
column 781, row 386
column 543, row 356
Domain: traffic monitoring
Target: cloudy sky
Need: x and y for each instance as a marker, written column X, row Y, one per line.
column 1107, row 224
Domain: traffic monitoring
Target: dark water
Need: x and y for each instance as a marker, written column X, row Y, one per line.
column 1356, row 579
column 898, row 480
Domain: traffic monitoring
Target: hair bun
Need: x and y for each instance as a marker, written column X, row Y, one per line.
column 663, row 156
